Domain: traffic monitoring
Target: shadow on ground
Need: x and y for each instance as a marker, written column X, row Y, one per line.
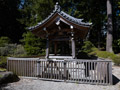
column 2, row 86
column 115, row 80
column 83, row 55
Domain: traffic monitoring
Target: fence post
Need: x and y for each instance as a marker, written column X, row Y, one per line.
column 7, row 65
column 65, row 70
column 110, row 73
column 38, row 68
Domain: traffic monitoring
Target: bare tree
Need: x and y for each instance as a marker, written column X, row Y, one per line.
column 109, row 27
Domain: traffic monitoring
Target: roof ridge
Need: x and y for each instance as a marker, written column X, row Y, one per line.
column 58, row 10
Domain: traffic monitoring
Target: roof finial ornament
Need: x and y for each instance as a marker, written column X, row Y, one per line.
column 57, row 3
column 57, row 7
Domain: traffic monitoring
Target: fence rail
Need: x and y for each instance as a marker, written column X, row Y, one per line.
column 79, row 71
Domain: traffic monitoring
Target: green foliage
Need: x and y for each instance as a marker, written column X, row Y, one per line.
column 116, row 60
column 102, row 54
column 118, row 42
column 19, row 51
column 87, row 47
column 18, row 14
column 3, row 41
column 32, row 44
column 87, row 51
column 34, row 11
column 3, row 62
column 105, row 54
column 1, row 75
column 9, row 24
column 2, row 70
column 116, row 24
column 12, row 50
column 94, row 11
column 8, row 50
column 90, row 49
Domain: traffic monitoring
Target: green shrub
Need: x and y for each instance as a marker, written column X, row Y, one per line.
column 32, row 44
column 116, row 60
column 8, row 50
column 105, row 54
column 88, row 47
column 19, row 51
column 1, row 76
column 3, row 41
column 2, row 69
column 3, row 62
column 91, row 50
column 118, row 42
column 88, row 51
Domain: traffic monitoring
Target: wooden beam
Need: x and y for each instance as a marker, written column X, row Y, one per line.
column 60, row 39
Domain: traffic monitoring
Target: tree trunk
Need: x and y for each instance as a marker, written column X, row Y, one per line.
column 109, row 27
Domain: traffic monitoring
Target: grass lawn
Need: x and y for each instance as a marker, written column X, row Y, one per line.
column 1, row 75
column 2, row 69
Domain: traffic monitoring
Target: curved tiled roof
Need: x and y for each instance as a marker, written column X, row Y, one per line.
column 58, row 11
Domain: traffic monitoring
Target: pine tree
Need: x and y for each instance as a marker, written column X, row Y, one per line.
column 32, row 44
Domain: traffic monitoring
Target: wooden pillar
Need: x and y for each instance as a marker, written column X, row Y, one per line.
column 38, row 68
column 73, row 44
column 110, row 73
column 47, row 48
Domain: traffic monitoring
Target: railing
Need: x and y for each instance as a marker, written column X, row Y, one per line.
column 79, row 71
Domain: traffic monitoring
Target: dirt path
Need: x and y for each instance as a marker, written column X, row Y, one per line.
column 30, row 84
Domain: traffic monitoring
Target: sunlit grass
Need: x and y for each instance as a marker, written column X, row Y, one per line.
column 2, row 69
column 0, row 75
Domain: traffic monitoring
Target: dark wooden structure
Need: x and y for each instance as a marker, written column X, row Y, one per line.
column 61, row 28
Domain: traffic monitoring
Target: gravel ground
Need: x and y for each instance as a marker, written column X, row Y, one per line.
column 30, row 84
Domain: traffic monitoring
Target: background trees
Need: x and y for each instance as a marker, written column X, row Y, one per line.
column 116, row 25
column 9, row 24
column 15, row 16
column 32, row 44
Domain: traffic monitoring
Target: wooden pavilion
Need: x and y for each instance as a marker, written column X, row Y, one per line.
column 61, row 29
